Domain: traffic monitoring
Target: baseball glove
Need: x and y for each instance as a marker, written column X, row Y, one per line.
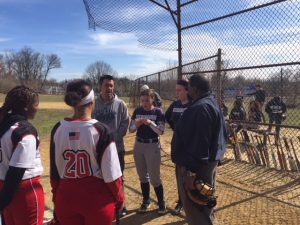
column 203, row 194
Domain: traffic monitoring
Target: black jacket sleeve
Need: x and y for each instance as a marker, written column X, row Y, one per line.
column 168, row 115
column 12, row 181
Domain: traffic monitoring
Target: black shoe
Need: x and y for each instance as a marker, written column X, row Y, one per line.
column 177, row 209
column 124, row 212
column 144, row 207
column 162, row 208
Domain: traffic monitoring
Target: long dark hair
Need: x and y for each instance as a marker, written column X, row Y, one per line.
column 17, row 101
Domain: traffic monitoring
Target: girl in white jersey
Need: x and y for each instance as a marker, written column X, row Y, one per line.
column 84, row 166
column 21, row 194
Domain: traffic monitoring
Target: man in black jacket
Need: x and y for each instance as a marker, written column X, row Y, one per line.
column 198, row 145
column 276, row 109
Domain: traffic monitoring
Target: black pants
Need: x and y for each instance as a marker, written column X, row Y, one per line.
column 278, row 120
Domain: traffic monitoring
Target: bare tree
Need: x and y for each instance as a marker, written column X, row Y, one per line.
column 51, row 62
column 95, row 70
column 28, row 66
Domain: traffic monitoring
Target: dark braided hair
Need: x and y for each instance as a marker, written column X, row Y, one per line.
column 17, row 99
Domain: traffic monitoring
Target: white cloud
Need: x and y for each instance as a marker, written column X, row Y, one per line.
column 4, row 39
column 151, row 60
column 60, row 76
column 135, row 13
column 252, row 3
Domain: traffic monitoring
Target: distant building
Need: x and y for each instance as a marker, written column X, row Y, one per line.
column 54, row 90
column 234, row 91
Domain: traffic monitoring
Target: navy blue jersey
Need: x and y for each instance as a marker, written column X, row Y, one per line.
column 174, row 113
column 156, row 115
column 237, row 114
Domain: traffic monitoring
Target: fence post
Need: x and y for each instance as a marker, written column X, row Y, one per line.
column 159, row 83
column 219, row 78
column 179, row 69
column 136, row 94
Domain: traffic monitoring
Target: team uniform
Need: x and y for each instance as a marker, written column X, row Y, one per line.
column 147, row 155
column 174, row 113
column 19, row 148
column 85, row 172
column 239, row 114
column 276, row 109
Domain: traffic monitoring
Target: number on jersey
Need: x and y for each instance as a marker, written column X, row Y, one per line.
column 78, row 164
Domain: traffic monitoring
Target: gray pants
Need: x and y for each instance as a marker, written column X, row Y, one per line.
column 147, row 160
column 195, row 214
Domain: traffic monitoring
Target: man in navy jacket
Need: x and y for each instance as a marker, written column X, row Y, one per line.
column 198, row 145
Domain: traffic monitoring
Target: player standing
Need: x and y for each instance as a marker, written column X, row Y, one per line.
column 173, row 115
column 148, row 121
column 113, row 112
column 21, row 194
column 84, row 166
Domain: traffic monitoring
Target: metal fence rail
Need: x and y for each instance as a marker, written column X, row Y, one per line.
column 241, row 44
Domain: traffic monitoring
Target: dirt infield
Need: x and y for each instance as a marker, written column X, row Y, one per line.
column 247, row 194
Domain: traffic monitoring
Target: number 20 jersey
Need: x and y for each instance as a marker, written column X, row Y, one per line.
column 82, row 149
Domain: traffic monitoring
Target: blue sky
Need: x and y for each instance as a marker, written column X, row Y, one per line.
column 61, row 27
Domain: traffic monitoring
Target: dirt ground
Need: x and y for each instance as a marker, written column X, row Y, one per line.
column 247, row 194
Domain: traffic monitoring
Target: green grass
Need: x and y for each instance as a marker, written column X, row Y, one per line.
column 51, row 98
column 292, row 115
column 43, row 98
column 2, row 97
column 47, row 118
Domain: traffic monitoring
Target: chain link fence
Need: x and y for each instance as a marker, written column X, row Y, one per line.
column 258, row 56
column 249, row 50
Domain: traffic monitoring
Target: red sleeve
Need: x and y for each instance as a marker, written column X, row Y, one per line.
column 116, row 189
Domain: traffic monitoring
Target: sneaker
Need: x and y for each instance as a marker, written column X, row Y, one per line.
column 144, row 207
column 177, row 209
column 124, row 212
column 162, row 209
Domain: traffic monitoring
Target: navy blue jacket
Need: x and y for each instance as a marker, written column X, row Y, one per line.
column 200, row 135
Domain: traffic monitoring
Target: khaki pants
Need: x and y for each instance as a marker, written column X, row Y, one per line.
column 195, row 214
